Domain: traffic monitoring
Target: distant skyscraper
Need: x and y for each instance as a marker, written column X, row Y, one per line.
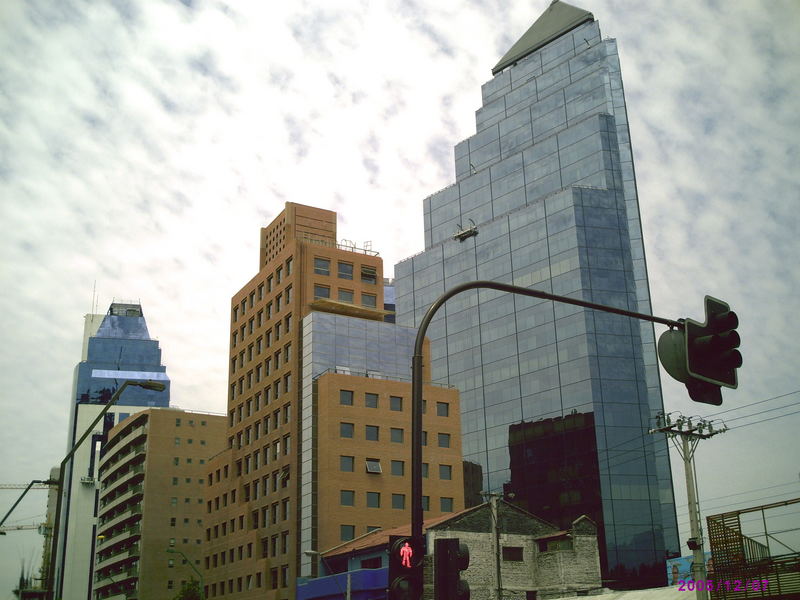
column 545, row 197
column 116, row 347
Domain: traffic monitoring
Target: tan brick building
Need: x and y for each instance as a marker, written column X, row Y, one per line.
column 152, row 477
column 319, row 413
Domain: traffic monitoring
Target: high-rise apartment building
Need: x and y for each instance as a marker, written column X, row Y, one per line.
column 152, row 504
column 319, row 414
column 116, row 347
column 556, row 400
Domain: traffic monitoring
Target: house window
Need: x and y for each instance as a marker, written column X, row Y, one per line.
column 347, row 532
column 346, row 397
column 371, row 400
column 369, row 300
column 372, row 433
column 395, row 403
column 322, row 266
column 347, row 497
column 345, row 270
column 512, row 553
column 346, row 430
column 396, row 435
column 321, row 291
column 399, row 501
column 373, row 499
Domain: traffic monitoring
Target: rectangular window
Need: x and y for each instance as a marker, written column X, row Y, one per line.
column 395, row 403
column 426, row 503
column 347, row 532
column 399, row 501
column 369, row 300
column 424, row 469
column 372, row 433
column 322, row 266
column 444, row 440
column 321, row 291
column 446, row 504
column 442, row 409
column 369, row 274
column 512, row 553
column 289, row 266
column 370, row 400
column 346, row 397
column 374, row 465
column 347, row 497
column 345, row 296
column 345, row 270
column 373, row 499
column 445, row 472
column 347, row 463
column 346, row 430
column 398, row 467
column 396, row 435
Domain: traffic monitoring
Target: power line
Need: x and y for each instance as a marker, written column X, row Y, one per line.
column 765, row 420
column 754, row 403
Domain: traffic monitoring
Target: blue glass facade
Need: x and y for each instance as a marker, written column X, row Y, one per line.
column 556, row 400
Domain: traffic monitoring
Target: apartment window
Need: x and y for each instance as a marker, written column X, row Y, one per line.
column 347, row 497
column 369, row 300
column 512, row 553
column 288, row 295
column 278, row 274
column 396, row 435
column 347, row 463
column 345, row 270
column 347, row 532
column 273, row 578
column 442, row 409
column 346, row 430
column 321, row 291
column 346, row 397
column 371, row 433
column 395, row 403
column 373, row 499
column 398, row 467
column 369, row 274
column 445, row 472
column 235, row 313
column 424, row 469
column 278, row 303
column 444, row 440
column 371, row 400
column 322, row 266
column 269, row 283
column 399, row 501
column 177, row 441
column 426, row 503
column 446, row 504
column 374, row 465
column 289, row 266
column 345, row 296
column 261, row 291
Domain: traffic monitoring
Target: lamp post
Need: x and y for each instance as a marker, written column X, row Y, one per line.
column 148, row 385
column 199, row 576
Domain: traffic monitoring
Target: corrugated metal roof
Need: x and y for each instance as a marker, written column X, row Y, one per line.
column 558, row 19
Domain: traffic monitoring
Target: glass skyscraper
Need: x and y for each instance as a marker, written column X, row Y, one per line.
column 556, row 400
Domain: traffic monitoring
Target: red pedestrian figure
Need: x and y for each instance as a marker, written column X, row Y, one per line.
column 405, row 555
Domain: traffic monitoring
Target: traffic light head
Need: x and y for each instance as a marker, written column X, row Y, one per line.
column 451, row 556
column 405, row 568
column 711, row 354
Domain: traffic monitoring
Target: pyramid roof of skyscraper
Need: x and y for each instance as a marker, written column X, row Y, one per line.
column 558, row 19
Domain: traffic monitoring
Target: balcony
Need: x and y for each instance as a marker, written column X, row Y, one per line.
column 122, row 558
column 118, row 536
column 133, row 511
column 124, row 457
column 113, row 455
column 137, row 489
column 110, row 486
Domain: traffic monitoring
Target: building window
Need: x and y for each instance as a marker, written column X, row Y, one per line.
column 374, row 465
column 399, row 501
column 372, row 563
column 395, row 403
column 346, row 397
column 442, row 409
column 396, row 435
column 345, row 270
column 446, row 504
column 371, row 433
column 322, row 266
column 512, row 553
column 347, row 532
column 371, row 400
column 373, row 499
column 346, row 296
column 424, row 469
column 289, row 266
column 369, row 274
column 347, row 497
column 347, row 463
column 445, row 472
column 321, row 291
column 426, row 503
column 369, row 300
column 444, row 440
column 398, row 467
column 346, row 430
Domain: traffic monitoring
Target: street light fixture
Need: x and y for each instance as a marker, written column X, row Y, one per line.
column 199, row 576
column 148, row 385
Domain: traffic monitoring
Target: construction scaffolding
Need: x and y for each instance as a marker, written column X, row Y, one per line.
column 743, row 567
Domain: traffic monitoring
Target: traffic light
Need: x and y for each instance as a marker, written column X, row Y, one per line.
column 405, row 569
column 704, row 355
column 450, row 558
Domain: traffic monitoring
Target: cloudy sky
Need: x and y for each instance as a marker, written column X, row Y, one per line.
column 143, row 145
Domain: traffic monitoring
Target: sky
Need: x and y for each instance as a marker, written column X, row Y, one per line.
column 143, row 145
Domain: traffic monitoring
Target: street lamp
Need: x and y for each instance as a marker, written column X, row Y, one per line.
column 199, row 576
column 148, row 385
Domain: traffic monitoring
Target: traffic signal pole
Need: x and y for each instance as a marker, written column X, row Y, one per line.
column 416, row 377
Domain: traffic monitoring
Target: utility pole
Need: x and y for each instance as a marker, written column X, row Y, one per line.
column 690, row 434
column 493, row 496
